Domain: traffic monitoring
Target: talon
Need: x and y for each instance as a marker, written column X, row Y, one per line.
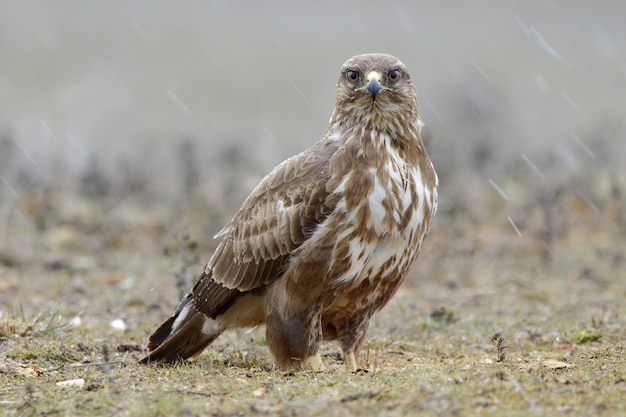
column 316, row 363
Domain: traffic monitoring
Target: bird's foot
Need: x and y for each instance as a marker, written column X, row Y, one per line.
column 316, row 363
column 350, row 361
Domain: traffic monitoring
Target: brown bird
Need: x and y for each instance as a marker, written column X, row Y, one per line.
column 325, row 240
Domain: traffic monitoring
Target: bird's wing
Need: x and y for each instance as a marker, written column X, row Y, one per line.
column 276, row 218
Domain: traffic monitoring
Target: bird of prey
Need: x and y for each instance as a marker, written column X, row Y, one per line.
column 326, row 238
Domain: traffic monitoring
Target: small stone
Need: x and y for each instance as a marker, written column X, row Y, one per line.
column 118, row 324
column 78, row 383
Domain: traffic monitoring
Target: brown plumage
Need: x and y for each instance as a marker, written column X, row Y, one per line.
column 326, row 239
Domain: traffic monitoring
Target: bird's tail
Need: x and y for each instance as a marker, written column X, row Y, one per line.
column 183, row 336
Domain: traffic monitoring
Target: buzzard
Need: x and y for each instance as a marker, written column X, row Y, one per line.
column 325, row 240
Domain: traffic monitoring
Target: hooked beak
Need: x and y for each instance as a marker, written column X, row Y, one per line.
column 373, row 86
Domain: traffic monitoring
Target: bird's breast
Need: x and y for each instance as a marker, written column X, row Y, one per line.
column 384, row 230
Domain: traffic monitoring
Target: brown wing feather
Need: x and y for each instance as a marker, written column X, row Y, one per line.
column 212, row 298
column 277, row 217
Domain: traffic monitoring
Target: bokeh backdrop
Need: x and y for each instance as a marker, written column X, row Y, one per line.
column 154, row 100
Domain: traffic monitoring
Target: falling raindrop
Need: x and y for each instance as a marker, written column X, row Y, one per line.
column 514, row 226
column 426, row 101
column 179, row 103
column 250, row 329
column 19, row 145
column 533, row 166
column 206, row 47
column 48, row 129
column 498, row 189
column 480, row 70
column 569, row 100
column 541, row 82
column 545, row 45
column 584, row 147
column 588, row 201
column 298, row 90
column 523, row 26
column 9, row 186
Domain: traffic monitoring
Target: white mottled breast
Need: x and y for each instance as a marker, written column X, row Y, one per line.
column 394, row 248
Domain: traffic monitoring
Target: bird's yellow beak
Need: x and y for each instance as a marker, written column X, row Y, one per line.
column 373, row 84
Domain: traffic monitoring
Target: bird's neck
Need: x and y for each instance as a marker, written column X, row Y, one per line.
column 376, row 168
column 377, row 141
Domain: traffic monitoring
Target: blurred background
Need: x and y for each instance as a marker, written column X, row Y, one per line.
column 125, row 123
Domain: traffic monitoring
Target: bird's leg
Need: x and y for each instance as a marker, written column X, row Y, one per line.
column 350, row 361
column 316, row 363
column 351, row 332
column 293, row 337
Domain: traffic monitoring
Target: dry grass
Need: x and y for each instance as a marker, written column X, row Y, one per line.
column 110, row 193
column 488, row 325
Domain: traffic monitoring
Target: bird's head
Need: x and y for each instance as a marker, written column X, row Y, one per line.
column 375, row 88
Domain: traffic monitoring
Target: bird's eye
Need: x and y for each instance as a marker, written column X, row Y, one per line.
column 352, row 75
column 394, row 75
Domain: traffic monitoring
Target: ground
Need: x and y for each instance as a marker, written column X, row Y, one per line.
column 489, row 322
column 130, row 135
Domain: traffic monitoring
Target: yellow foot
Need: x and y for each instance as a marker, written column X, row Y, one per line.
column 350, row 361
column 316, row 363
